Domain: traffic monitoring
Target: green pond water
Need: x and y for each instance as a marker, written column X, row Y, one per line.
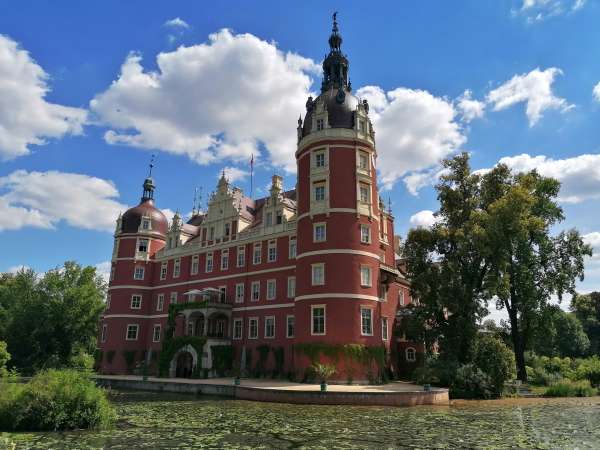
column 165, row 421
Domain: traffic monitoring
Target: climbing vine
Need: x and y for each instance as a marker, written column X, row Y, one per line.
column 172, row 345
column 222, row 357
column 129, row 356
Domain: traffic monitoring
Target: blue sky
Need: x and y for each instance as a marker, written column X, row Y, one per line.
column 84, row 102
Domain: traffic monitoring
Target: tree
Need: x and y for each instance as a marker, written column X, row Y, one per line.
column 496, row 360
column 587, row 309
column 54, row 318
column 4, row 358
column 559, row 333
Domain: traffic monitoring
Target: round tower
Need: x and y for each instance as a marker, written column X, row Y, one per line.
column 125, row 331
column 338, row 262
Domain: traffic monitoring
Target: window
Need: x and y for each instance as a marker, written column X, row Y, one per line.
column 319, row 232
column 255, row 287
column 142, row 245
column 383, row 288
column 318, row 274
column 253, row 328
column 239, row 293
column 227, row 229
column 279, row 217
column 163, row 270
column 364, row 193
column 257, row 256
column 366, row 318
column 225, row 259
column 222, row 294
column 401, row 297
column 411, row 354
column 173, row 298
column 384, row 328
column 365, row 276
column 160, row 302
column 320, row 124
column 132, row 332
column 176, row 267
column 112, row 273
column 320, row 159
column 156, row 333
column 271, row 288
column 363, row 161
column 237, row 328
column 136, row 301
column 241, row 259
column 211, row 233
column 145, row 224
column 293, row 249
column 103, row 335
column 291, row 287
column 269, row 219
column 170, row 244
column 195, row 265
column 319, row 192
column 209, row 262
column 107, row 301
column 317, row 319
column 270, row 327
column 365, row 234
column 272, row 251
column 138, row 274
column 290, row 324
column 361, row 125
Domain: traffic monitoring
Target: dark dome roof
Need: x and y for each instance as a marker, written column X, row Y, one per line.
column 341, row 106
column 131, row 220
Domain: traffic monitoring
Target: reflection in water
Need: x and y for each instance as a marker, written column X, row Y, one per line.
column 161, row 421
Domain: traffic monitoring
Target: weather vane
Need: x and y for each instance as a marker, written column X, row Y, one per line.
column 151, row 165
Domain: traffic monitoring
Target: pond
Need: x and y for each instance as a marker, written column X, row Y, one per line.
column 166, row 421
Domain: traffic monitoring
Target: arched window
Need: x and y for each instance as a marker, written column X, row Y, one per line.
column 411, row 354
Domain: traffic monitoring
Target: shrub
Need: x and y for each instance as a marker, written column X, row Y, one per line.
column 82, row 361
column 589, row 369
column 471, row 382
column 324, row 371
column 495, row 359
column 571, row 389
column 54, row 400
column 4, row 358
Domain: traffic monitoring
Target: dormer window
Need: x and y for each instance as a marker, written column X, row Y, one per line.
column 227, row 229
column 361, row 126
column 279, row 217
column 269, row 219
column 145, row 224
column 320, row 124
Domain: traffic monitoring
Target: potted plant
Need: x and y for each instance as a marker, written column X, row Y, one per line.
column 323, row 372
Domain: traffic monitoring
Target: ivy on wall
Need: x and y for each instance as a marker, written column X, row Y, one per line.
column 222, row 358
column 173, row 345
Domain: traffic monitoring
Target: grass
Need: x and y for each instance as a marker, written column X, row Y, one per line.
column 568, row 388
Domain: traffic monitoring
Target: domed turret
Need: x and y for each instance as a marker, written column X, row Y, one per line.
column 145, row 216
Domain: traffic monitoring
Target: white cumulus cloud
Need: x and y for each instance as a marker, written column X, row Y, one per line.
column 177, row 22
column 218, row 100
column 423, row 219
column 539, row 10
column 580, row 175
column 43, row 199
column 234, row 174
column 103, row 269
column 414, row 131
column 26, row 118
column 470, row 108
column 534, row 89
column 596, row 92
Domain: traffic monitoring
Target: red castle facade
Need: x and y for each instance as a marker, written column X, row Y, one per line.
column 272, row 278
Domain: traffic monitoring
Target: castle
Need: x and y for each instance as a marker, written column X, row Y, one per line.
column 271, row 284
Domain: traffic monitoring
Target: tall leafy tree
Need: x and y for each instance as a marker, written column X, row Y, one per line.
column 559, row 333
column 587, row 309
column 53, row 318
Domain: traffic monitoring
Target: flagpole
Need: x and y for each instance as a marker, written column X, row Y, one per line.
column 252, row 176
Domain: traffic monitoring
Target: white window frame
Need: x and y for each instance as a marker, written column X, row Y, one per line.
column 139, row 304
column 160, row 302
column 164, row 269
column 316, row 154
column 319, row 184
column 104, row 332
column 107, row 307
column 318, row 226
column 257, row 256
column 173, row 298
column 267, row 318
column 223, row 294
column 291, row 287
column 401, row 299
column 156, row 327
column 292, row 244
column 225, row 259
column 253, row 290
column 146, row 221
column 195, row 265
column 320, row 124
column 364, row 227
column 272, row 251
column 362, row 154
column 241, row 256
column 312, row 320
column 239, row 293
column 410, row 350
column 287, row 326
column 250, row 321
column 138, row 243
column 362, row 328
column 384, row 329
column 239, row 321
column 137, row 331
column 273, row 294
column 176, row 267
column 366, row 275
column 368, row 191
column 210, row 263
column 135, row 272
column 312, row 274
column 269, row 219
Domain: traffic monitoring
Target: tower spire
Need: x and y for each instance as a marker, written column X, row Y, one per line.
column 149, row 186
column 335, row 65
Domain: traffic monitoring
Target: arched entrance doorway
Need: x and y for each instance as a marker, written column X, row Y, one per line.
column 185, row 365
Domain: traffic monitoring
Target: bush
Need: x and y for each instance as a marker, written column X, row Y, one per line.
column 589, row 369
column 4, row 358
column 471, row 382
column 571, row 389
column 82, row 361
column 496, row 360
column 54, row 400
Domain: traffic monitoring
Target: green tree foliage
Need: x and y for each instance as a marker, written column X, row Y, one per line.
column 4, row 358
column 559, row 333
column 53, row 319
column 587, row 309
column 496, row 360
column 491, row 241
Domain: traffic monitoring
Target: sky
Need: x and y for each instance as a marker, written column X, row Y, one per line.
column 90, row 90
